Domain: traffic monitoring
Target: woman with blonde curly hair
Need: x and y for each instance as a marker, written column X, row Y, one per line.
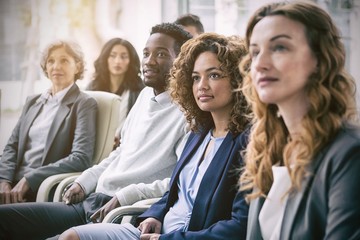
column 303, row 157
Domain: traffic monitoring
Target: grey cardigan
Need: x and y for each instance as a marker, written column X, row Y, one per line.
column 327, row 206
column 69, row 145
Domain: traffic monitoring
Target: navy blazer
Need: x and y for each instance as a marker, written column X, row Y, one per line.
column 219, row 212
column 328, row 204
column 70, row 142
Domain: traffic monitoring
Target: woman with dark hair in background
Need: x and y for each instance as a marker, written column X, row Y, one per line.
column 117, row 70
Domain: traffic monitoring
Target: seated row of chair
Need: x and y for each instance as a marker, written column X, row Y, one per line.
column 297, row 174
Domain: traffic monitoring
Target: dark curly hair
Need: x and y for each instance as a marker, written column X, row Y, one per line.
column 175, row 31
column 132, row 79
column 229, row 51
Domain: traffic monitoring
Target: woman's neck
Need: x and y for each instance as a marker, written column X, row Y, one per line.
column 293, row 120
column 292, row 112
column 115, row 82
column 221, row 125
column 57, row 88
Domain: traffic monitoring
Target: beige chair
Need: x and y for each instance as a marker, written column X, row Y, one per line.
column 107, row 122
column 128, row 214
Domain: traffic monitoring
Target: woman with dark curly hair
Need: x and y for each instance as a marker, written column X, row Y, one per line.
column 117, row 70
column 303, row 158
column 203, row 201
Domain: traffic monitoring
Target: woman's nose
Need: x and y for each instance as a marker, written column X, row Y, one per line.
column 203, row 83
column 56, row 64
column 262, row 61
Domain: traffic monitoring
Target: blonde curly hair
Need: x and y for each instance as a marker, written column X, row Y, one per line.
column 330, row 91
column 229, row 51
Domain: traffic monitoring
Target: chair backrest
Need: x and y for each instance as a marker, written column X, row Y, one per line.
column 107, row 122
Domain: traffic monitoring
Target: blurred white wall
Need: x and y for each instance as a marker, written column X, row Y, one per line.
column 26, row 26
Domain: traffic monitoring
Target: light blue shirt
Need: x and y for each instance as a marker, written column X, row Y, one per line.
column 178, row 216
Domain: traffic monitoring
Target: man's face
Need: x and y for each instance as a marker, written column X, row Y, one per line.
column 158, row 57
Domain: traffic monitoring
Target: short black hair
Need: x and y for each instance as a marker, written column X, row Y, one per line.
column 190, row 19
column 175, row 31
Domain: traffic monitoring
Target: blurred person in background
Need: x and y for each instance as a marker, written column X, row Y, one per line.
column 117, row 70
column 191, row 23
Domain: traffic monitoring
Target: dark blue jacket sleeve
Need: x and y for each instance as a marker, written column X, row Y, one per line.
column 157, row 210
column 235, row 228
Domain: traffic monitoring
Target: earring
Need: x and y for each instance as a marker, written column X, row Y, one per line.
column 278, row 114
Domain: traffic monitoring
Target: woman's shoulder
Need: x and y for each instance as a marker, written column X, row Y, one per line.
column 79, row 96
column 243, row 137
column 33, row 97
column 350, row 133
column 341, row 156
column 31, row 100
column 344, row 145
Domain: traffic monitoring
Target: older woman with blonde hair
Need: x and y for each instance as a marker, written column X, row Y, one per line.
column 303, row 158
column 56, row 130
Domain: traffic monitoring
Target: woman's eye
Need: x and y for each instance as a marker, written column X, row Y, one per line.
column 145, row 54
column 124, row 57
column 195, row 78
column 214, row 76
column 253, row 54
column 279, row 48
column 50, row 61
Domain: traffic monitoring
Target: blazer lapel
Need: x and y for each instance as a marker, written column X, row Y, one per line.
column 294, row 200
column 253, row 227
column 28, row 121
column 189, row 150
column 60, row 116
column 209, row 182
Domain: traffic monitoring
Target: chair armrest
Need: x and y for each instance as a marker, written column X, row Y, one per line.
column 44, row 192
column 118, row 213
column 63, row 185
column 149, row 201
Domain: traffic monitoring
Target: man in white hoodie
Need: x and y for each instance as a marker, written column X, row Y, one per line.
column 152, row 136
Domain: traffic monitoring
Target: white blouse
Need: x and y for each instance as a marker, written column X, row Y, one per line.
column 272, row 212
column 124, row 104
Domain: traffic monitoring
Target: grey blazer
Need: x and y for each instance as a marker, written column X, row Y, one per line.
column 328, row 205
column 69, row 145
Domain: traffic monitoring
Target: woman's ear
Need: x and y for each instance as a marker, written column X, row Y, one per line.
column 78, row 66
